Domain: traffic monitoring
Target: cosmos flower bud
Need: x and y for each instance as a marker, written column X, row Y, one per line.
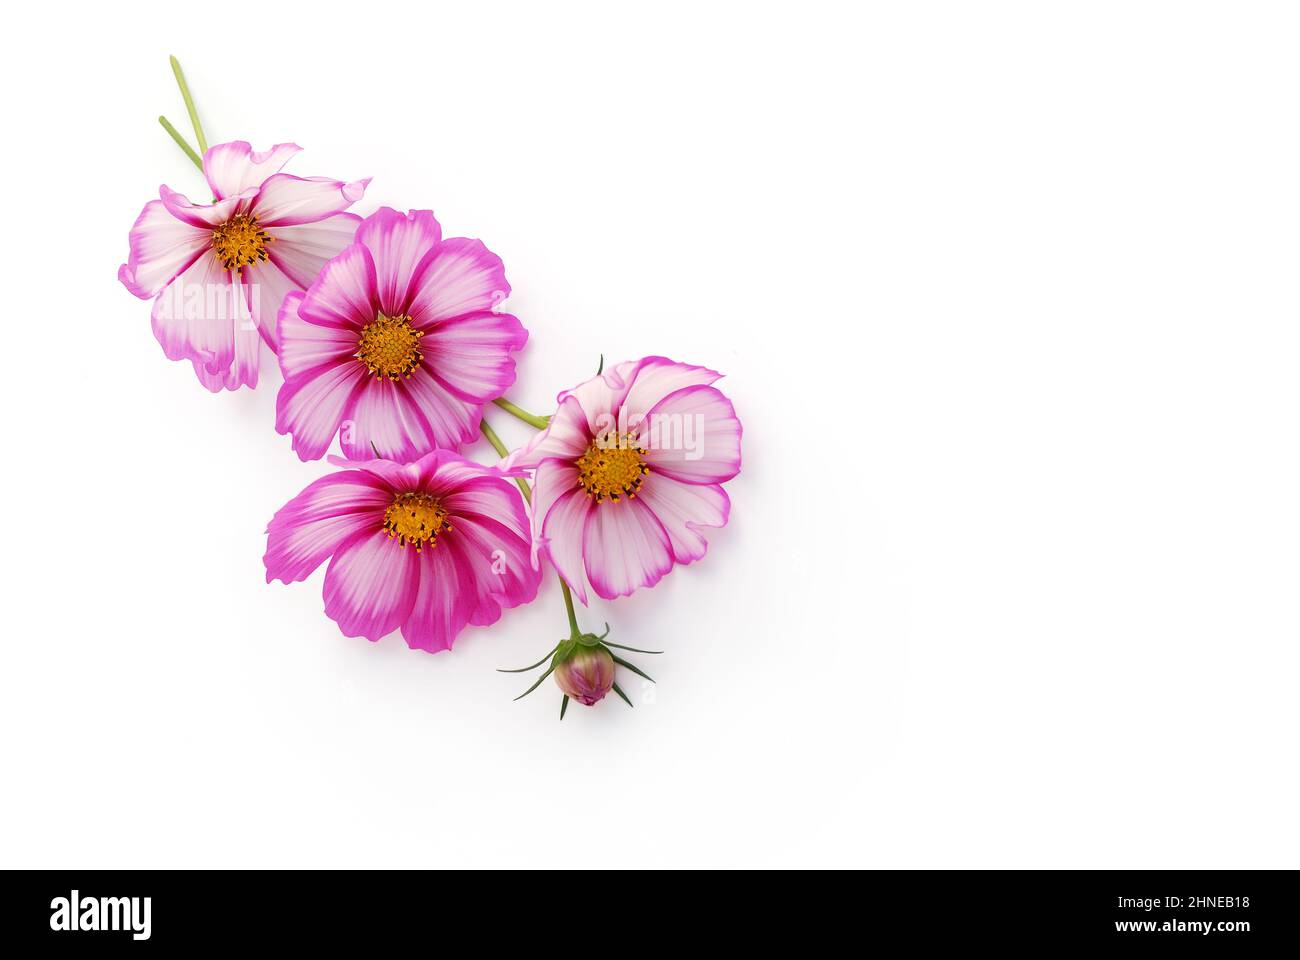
column 587, row 675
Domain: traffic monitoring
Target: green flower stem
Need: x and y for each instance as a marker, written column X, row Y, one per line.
column 532, row 419
column 181, row 142
column 491, row 436
column 189, row 105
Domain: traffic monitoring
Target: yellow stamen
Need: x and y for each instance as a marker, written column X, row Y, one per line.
column 240, row 242
column 613, row 467
column 390, row 347
column 415, row 518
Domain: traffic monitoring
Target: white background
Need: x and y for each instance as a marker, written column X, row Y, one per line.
column 1006, row 295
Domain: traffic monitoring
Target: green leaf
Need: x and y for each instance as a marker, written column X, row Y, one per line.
column 549, row 671
column 535, row 665
column 633, row 667
column 619, row 691
column 564, row 705
column 619, row 646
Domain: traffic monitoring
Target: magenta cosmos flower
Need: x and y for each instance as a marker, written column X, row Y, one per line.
column 629, row 472
column 428, row 547
column 397, row 344
column 219, row 272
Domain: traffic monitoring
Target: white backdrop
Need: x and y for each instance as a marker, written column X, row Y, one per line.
column 1006, row 295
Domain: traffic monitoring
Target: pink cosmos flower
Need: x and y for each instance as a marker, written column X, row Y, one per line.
column 220, row 271
column 629, row 472
column 396, row 344
column 428, row 547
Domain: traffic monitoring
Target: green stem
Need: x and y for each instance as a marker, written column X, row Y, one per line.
column 189, row 105
column 491, row 436
column 181, row 142
column 532, row 419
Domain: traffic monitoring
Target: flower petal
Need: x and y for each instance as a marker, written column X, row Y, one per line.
column 196, row 316
column 343, row 295
column 459, row 276
column 684, row 508
column 562, row 535
column 624, row 547
column 242, row 372
column 311, row 406
column 565, row 437
column 301, row 250
column 470, row 355
column 653, row 378
column 552, row 480
column 445, row 600
column 371, row 585
column 310, row 527
column 285, row 200
column 304, row 345
column 693, row 435
column 500, row 563
column 232, row 168
column 162, row 247
column 383, row 414
column 204, row 216
column 398, row 243
column 266, row 287
column 452, row 421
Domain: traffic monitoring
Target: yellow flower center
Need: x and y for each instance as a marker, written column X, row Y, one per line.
column 239, row 242
column 415, row 518
column 390, row 347
column 612, row 466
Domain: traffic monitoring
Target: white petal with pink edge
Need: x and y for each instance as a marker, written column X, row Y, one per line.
column 685, row 509
column 552, row 480
column 624, row 547
column 452, row 421
column 460, row 276
column 561, row 540
column 266, row 287
column 196, row 316
column 285, row 200
column 371, row 585
column 302, row 250
column 231, row 168
column 399, row 243
column 243, row 371
column 304, row 345
column 565, row 437
column 162, row 247
column 470, row 355
column 693, row 435
column 343, row 295
column 310, row 407
column 382, row 417
column 653, row 378
column 205, row 216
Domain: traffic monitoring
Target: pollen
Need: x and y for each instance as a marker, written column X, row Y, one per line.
column 612, row 467
column 390, row 347
column 415, row 518
column 239, row 242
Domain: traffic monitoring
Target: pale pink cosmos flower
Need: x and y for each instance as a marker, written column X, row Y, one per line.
column 397, row 345
column 628, row 474
column 219, row 272
column 427, row 547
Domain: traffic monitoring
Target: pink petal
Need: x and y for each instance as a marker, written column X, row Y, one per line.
column 285, row 200
column 624, row 546
column 460, row 276
column 444, row 602
column 500, row 563
column 470, row 355
column 344, row 293
column 562, row 536
column 232, row 168
column 382, row 412
column 452, row 421
column 693, row 435
column 599, row 398
column 161, row 248
column 243, row 371
column 371, row 585
column 485, row 495
column 196, row 316
column 311, row 406
column 653, row 378
column 565, row 437
column 304, row 345
column 301, row 251
column 310, row 527
column 398, row 244
column 204, row 216
column 552, row 480
column 683, row 509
